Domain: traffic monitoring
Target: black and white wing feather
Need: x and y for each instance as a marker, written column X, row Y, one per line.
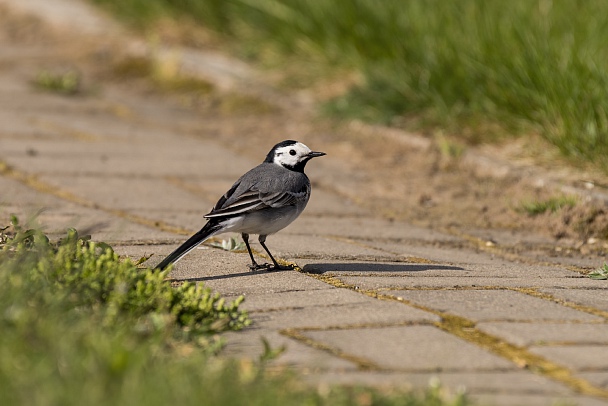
column 245, row 197
column 254, row 200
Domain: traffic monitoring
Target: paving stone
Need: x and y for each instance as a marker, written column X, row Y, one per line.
column 478, row 261
column 301, row 246
column 17, row 194
column 508, row 237
column 301, row 299
column 324, row 207
column 246, row 282
column 596, row 295
column 447, row 254
column 228, row 273
column 56, row 215
column 579, row 357
column 32, row 104
column 535, row 400
column 422, row 280
column 99, row 225
column 82, row 17
column 340, row 316
column 283, row 245
column 563, row 257
column 411, row 348
column 362, row 228
column 599, row 379
column 451, row 252
column 505, row 269
column 491, row 305
column 527, row 334
column 126, row 194
column 123, row 158
column 248, row 343
column 487, row 382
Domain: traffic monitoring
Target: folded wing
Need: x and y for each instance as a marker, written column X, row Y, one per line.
column 253, row 200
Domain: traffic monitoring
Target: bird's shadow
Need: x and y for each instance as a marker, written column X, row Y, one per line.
column 367, row 267
column 235, row 275
column 321, row 268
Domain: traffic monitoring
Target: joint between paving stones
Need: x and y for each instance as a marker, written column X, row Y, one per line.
column 64, row 130
column 545, row 296
column 189, row 187
column 359, row 243
column 494, row 249
column 465, row 329
column 357, row 326
column 287, row 308
column 473, row 241
column 33, row 182
column 527, row 291
column 362, row 363
column 299, row 335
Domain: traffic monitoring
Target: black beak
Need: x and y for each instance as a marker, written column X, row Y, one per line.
column 314, row 154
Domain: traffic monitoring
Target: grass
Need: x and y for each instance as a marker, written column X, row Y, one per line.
column 600, row 273
column 67, row 83
column 552, row 205
column 78, row 323
column 484, row 69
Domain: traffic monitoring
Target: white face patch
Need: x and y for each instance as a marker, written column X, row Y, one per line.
column 291, row 155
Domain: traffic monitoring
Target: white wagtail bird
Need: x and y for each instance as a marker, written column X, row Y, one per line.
column 263, row 201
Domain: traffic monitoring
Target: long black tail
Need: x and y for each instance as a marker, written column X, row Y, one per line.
column 207, row 231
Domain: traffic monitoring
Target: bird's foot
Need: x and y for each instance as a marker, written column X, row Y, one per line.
column 270, row 267
column 260, row 267
column 277, row 267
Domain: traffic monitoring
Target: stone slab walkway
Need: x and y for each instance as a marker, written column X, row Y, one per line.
column 375, row 301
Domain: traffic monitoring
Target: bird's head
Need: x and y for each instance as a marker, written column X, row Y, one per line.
column 291, row 155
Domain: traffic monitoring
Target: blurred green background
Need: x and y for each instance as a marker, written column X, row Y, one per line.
column 483, row 70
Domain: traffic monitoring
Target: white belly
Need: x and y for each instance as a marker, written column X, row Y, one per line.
column 263, row 222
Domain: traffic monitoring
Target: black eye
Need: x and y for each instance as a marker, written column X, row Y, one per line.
column 292, row 152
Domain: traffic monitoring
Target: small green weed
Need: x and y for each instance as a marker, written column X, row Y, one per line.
column 68, row 83
column 600, row 273
column 449, row 148
column 79, row 323
column 552, row 205
column 78, row 273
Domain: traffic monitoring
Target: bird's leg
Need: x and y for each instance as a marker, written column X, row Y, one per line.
column 254, row 265
column 262, row 240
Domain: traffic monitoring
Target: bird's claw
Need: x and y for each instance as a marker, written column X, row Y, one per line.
column 260, row 267
column 289, row 267
column 270, row 267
